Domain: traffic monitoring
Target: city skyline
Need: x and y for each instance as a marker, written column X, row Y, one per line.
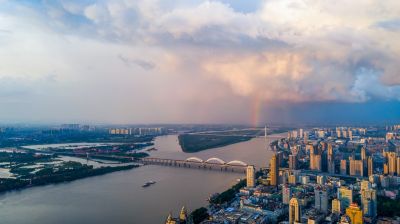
column 199, row 62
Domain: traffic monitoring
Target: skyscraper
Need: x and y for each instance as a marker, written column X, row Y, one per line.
column 286, row 194
column 183, row 215
column 305, row 137
column 363, row 154
column 274, row 170
column 365, row 185
column 350, row 134
column 321, row 179
column 392, row 160
column 292, row 162
column 370, row 166
column 355, row 214
column 356, row 167
column 321, row 199
column 331, row 159
column 315, row 159
column 250, row 176
column 369, row 202
column 336, row 206
column 343, row 167
column 294, row 211
column 385, row 168
column 338, row 133
column 345, row 195
column 398, row 166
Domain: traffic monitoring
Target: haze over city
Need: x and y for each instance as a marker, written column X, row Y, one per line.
column 191, row 61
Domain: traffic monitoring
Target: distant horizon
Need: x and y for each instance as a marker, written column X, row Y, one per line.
column 270, row 125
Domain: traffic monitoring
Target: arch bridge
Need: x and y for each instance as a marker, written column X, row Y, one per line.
column 212, row 163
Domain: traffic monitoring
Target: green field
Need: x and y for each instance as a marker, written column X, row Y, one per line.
column 199, row 142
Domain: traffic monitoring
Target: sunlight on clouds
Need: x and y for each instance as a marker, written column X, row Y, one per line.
column 175, row 51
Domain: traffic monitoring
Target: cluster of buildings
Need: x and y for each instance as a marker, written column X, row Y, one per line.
column 137, row 131
column 182, row 219
column 319, row 176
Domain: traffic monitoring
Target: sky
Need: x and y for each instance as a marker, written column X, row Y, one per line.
column 192, row 61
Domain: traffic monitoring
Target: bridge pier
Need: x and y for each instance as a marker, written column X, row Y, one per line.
column 210, row 164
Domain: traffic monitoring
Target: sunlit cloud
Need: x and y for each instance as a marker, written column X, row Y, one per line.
column 165, row 54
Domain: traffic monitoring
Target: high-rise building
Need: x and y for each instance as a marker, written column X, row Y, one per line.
column 315, row 160
column 250, row 175
column 398, row 166
column 356, row 167
column 321, row 134
column 305, row 179
column 370, row 166
column 292, row 179
column 365, row 185
column 385, row 168
column 292, row 162
column 305, row 137
column 345, row 195
column 350, row 134
column 331, row 159
column 369, row 202
column 294, row 211
column 286, row 194
column 338, row 133
column 355, row 214
column 274, row 170
column 389, row 136
column 343, row 167
column 392, row 160
column 321, row 199
column 344, row 133
column 363, row 153
column 321, row 179
column 170, row 220
column 280, row 160
column 183, row 215
column 336, row 206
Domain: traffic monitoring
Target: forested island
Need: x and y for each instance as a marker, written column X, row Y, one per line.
column 198, row 142
column 29, row 169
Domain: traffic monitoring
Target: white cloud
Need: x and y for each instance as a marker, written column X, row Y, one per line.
column 286, row 50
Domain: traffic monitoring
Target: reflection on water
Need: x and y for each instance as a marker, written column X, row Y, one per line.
column 119, row 198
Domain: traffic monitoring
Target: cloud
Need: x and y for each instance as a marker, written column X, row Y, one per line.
column 146, row 65
column 277, row 50
column 392, row 25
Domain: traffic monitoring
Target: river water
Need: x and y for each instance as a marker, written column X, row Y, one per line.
column 119, row 198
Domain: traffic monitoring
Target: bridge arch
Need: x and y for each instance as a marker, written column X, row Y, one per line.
column 194, row 159
column 237, row 162
column 214, row 159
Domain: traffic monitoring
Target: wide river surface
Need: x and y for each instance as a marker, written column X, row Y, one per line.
column 119, row 197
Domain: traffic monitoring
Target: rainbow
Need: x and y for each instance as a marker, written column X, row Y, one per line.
column 256, row 110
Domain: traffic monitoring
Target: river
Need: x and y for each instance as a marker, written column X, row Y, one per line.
column 119, row 198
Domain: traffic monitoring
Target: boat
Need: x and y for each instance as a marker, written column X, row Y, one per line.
column 147, row 184
column 151, row 149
